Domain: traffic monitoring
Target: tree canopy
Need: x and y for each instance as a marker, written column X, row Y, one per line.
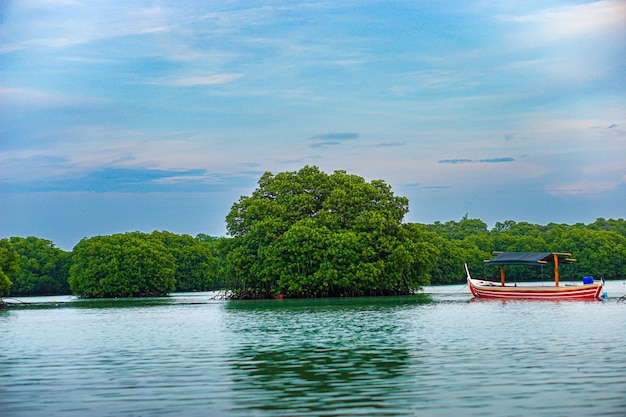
column 122, row 265
column 8, row 265
column 197, row 266
column 600, row 247
column 307, row 233
column 42, row 268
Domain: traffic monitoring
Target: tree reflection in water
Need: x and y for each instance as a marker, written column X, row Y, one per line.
column 324, row 357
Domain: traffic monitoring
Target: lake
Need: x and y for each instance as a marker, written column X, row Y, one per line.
column 436, row 354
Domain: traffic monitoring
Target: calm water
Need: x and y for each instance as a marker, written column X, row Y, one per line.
column 434, row 355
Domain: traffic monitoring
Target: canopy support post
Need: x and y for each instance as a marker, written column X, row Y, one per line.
column 502, row 275
column 556, row 270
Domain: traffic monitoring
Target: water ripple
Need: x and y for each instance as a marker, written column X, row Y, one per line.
column 430, row 356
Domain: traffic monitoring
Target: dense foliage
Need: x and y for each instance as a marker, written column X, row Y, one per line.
column 140, row 264
column 308, row 233
column 122, row 265
column 600, row 247
column 42, row 268
column 197, row 267
column 8, row 265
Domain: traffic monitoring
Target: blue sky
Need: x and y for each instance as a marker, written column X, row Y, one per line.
column 142, row 115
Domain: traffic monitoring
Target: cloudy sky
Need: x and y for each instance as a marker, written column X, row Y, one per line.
column 141, row 115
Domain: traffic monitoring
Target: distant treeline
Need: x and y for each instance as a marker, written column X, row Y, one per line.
column 304, row 234
column 120, row 265
column 184, row 263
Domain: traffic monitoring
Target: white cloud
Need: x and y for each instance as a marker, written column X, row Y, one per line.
column 588, row 19
column 584, row 187
column 214, row 79
column 185, row 179
column 50, row 3
column 570, row 45
column 34, row 97
column 63, row 24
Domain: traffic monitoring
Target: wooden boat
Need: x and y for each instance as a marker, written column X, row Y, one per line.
column 589, row 290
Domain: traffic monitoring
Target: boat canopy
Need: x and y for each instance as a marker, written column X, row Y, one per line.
column 529, row 258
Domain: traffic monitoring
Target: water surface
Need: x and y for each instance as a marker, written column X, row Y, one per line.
column 438, row 354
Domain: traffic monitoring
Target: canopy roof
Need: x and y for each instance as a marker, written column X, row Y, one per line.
column 528, row 258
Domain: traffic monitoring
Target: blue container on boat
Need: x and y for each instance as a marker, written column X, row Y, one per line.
column 588, row 280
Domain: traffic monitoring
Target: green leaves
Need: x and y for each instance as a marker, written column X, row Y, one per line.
column 8, row 265
column 43, row 268
column 302, row 234
column 197, row 268
column 139, row 264
column 600, row 247
column 122, row 265
column 307, row 233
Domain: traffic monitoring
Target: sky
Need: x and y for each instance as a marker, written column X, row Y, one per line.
column 119, row 116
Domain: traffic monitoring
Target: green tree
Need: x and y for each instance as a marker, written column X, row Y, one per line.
column 610, row 225
column 122, row 265
column 307, row 233
column 453, row 230
column 196, row 267
column 519, row 237
column 8, row 265
column 43, row 268
column 598, row 252
column 216, row 244
column 201, row 237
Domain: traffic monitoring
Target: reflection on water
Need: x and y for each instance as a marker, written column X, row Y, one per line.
column 432, row 355
column 320, row 357
column 316, row 379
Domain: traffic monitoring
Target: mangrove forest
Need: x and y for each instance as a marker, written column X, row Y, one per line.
column 299, row 234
